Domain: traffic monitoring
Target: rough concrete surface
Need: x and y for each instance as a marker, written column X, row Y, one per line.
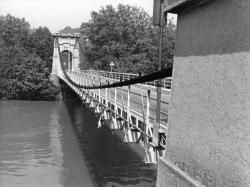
column 209, row 115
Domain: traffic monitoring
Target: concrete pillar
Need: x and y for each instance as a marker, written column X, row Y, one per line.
column 209, row 117
column 75, row 58
column 65, row 43
column 55, row 63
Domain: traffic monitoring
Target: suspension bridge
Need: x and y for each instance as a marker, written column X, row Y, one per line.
column 206, row 125
column 122, row 101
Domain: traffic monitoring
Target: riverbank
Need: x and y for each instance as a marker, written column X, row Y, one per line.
column 52, row 93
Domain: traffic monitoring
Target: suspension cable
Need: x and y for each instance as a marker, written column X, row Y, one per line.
column 146, row 78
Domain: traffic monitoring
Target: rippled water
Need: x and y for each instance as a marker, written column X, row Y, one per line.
column 58, row 144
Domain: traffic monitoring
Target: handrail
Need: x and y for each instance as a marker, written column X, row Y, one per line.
column 165, row 83
column 146, row 78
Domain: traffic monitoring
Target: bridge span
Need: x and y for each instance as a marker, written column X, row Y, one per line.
column 207, row 125
column 130, row 107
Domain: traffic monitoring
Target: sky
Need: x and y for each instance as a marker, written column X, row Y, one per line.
column 57, row 14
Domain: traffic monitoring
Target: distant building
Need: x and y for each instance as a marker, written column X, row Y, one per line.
column 69, row 30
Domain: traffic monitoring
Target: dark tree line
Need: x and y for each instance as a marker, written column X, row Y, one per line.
column 25, row 61
column 126, row 36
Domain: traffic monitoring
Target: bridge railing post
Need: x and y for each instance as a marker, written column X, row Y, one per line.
column 81, row 80
column 115, row 102
column 109, row 96
column 106, row 97
column 78, row 78
column 88, row 83
column 100, row 92
column 148, row 113
column 128, row 103
column 75, row 76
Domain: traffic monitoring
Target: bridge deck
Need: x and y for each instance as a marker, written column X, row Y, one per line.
column 138, row 101
column 137, row 92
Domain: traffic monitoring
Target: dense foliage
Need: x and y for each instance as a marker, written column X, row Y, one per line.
column 25, row 61
column 126, row 36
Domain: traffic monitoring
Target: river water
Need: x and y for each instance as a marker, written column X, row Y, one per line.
column 51, row 144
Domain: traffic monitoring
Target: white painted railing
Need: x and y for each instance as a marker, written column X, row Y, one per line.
column 96, row 78
column 132, row 108
column 165, row 83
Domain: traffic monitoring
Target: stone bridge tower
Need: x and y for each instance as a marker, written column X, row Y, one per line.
column 65, row 43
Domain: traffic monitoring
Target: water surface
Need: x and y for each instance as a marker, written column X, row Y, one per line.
column 58, row 144
column 38, row 146
column 111, row 161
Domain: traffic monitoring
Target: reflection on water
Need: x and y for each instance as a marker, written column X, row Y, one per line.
column 111, row 161
column 50, row 144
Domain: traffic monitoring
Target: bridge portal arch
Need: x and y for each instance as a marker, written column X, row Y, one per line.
column 66, row 58
column 66, row 49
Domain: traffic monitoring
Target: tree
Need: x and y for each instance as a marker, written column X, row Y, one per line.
column 13, row 31
column 24, row 61
column 40, row 42
column 126, row 36
column 25, row 76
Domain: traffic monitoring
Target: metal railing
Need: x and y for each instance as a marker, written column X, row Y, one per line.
column 95, row 76
column 165, row 83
